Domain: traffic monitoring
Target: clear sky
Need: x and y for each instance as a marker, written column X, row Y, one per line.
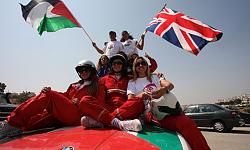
column 30, row 62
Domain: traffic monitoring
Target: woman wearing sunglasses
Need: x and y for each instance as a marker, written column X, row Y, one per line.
column 112, row 108
column 150, row 86
column 50, row 107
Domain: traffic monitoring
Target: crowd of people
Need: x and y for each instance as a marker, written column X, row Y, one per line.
column 114, row 93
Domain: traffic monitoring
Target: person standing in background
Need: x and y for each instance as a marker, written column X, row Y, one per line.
column 112, row 47
column 130, row 44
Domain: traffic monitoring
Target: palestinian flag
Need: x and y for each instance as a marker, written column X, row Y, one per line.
column 163, row 138
column 48, row 15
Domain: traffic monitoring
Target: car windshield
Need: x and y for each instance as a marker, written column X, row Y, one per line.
column 230, row 107
column 222, row 107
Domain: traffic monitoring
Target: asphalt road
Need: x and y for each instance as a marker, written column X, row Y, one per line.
column 237, row 139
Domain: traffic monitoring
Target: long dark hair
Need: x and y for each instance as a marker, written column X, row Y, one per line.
column 99, row 64
column 93, row 87
column 129, row 36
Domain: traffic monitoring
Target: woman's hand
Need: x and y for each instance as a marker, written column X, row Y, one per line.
column 145, row 96
column 94, row 44
column 75, row 101
column 146, row 55
column 159, row 92
column 142, row 36
column 46, row 89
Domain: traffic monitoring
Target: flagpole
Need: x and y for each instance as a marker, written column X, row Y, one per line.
column 87, row 34
column 163, row 6
column 82, row 27
column 144, row 33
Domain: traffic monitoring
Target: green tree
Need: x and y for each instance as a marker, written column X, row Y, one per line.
column 21, row 97
column 231, row 102
column 2, row 87
column 237, row 101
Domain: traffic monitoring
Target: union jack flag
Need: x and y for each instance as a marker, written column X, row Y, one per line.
column 185, row 32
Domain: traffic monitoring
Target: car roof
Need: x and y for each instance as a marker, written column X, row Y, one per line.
column 206, row 104
column 201, row 104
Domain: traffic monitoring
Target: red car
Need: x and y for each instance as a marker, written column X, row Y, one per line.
column 78, row 138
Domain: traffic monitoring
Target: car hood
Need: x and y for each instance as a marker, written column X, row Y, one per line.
column 98, row 139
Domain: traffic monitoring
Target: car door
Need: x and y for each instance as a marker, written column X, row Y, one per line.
column 193, row 113
column 205, row 116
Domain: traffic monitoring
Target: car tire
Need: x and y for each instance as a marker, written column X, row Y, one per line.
column 219, row 126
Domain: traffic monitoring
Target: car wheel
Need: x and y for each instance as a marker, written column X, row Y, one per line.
column 219, row 126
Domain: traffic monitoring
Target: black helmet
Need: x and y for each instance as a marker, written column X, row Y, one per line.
column 124, row 63
column 118, row 56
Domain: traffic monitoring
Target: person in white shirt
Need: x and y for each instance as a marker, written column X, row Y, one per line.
column 149, row 86
column 130, row 44
column 112, row 47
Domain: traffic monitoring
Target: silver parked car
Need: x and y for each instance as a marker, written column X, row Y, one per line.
column 212, row 115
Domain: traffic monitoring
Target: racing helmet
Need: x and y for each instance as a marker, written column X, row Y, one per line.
column 85, row 63
column 124, row 64
column 118, row 56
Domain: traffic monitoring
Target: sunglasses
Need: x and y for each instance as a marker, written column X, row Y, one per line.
column 141, row 63
column 104, row 58
column 117, row 62
column 83, row 69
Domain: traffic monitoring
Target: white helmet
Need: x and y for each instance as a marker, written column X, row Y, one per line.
column 165, row 105
column 85, row 63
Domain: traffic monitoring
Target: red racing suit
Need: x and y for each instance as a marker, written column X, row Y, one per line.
column 112, row 102
column 48, row 109
column 185, row 126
